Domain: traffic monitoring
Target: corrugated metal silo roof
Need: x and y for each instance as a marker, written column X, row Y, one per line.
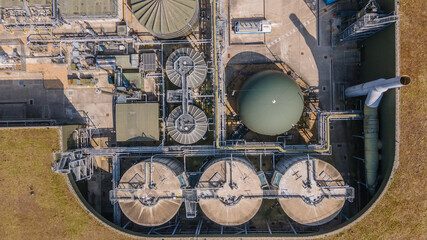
column 166, row 18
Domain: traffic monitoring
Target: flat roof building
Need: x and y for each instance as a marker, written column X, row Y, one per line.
column 80, row 9
column 137, row 122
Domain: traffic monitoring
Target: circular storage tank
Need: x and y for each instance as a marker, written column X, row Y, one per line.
column 148, row 208
column 166, row 18
column 187, row 128
column 225, row 203
column 270, row 103
column 305, row 176
column 186, row 63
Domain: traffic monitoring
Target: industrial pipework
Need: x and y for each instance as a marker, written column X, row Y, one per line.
column 374, row 91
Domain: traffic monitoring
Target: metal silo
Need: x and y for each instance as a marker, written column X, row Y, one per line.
column 314, row 191
column 186, row 64
column 187, row 127
column 229, row 191
column 270, row 103
column 167, row 18
column 150, row 192
column 186, row 68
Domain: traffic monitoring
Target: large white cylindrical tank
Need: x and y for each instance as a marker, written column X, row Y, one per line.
column 225, row 188
column 310, row 179
column 157, row 190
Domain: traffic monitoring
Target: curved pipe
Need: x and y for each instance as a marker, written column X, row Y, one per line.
column 376, row 89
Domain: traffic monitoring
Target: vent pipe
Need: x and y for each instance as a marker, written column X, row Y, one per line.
column 374, row 91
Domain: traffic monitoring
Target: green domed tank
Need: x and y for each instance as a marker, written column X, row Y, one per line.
column 270, row 102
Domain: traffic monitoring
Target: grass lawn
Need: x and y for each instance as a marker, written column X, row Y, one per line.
column 51, row 212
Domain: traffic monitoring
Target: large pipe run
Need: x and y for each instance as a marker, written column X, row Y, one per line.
column 370, row 129
column 374, row 91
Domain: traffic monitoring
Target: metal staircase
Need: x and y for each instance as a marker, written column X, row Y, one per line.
column 367, row 25
column 190, row 197
column 368, row 21
column 77, row 163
